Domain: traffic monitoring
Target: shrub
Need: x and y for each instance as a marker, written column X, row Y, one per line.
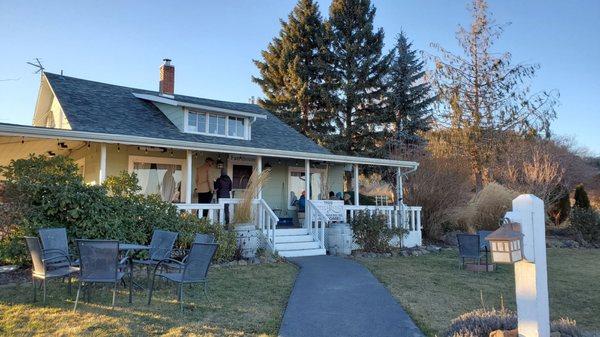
column 45, row 192
column 486, row 208
column 586, row 221
column 581, row 198
column 439, row 186
column 479, row 323
column 372, row 233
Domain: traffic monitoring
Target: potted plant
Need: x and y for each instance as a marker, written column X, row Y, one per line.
column 243, row 219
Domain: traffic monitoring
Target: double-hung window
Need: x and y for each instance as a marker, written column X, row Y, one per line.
column 215, row 124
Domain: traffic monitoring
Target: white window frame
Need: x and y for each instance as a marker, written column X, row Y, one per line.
column 163, row 160
column 300, row 169
column 187, row 128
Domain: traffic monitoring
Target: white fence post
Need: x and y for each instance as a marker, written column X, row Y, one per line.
column 531, row 277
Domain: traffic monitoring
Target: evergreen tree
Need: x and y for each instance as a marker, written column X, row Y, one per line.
column 408, row 97
column 581, row 198
column 292, row 71
column 355, row 76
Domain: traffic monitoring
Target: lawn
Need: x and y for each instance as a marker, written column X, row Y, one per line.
column 244, row 301
column 434, row 291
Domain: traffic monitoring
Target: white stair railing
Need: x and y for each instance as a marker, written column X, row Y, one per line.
column 316, row 222
column 214, row 212
column 267, row 222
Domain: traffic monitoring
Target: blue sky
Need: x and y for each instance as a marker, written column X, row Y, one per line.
column 212, row 44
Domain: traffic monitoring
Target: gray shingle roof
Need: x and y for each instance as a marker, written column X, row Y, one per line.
column 106, row 108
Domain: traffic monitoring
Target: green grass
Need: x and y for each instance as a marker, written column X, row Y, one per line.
column 434, row 291
column 244, row 301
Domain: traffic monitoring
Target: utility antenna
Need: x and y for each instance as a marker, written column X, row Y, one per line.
column 38, row 65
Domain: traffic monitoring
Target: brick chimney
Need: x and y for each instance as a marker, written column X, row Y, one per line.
column 166, row 85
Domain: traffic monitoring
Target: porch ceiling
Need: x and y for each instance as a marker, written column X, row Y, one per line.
column 15, row 132
column 16, row 147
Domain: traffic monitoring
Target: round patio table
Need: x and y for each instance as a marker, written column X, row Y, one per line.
column 130, row 249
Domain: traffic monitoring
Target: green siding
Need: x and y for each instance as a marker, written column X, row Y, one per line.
column 173, row 113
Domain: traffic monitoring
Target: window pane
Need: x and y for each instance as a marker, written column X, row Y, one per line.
column 231, row 129
column 201, row 122
column 240, row 128
column 161, row 179
column 192, row 120
column 212, row 123
column 221, row 125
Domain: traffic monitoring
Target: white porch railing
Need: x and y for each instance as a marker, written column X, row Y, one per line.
column 407, row 217
column 265, row 219
column 316, row 222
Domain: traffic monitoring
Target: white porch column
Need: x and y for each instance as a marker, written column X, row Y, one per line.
column 356, row 193
column 102, row 173
column 259, row 171
column 307, row 178
column 188, row 177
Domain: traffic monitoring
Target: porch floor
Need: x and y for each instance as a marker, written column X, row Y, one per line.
column 334, row 296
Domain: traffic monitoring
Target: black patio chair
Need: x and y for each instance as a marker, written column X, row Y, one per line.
column 55, row 243
column 204, row 238
column 193, row 269
column 40, row 270
column 468, row 248
column 100, row 263
column 161, row 247
column 484, row 244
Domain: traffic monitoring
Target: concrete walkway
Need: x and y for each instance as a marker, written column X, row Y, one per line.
column 334, row 296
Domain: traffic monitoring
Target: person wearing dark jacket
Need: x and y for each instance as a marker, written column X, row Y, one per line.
column 223, row 186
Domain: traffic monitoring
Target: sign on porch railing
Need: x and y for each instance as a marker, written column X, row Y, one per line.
column 333, row 209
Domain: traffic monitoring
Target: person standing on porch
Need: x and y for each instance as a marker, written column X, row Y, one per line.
column 204, row 186
column 223, row 186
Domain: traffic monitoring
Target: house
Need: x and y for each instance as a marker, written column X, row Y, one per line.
column 164, row 137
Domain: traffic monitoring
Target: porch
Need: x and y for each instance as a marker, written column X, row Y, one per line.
column 167, row 168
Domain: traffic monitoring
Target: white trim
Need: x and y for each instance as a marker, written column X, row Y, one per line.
column 173, row 102
column 102, row 170
column 38, row 132
column 164, row 160
column 189, row 177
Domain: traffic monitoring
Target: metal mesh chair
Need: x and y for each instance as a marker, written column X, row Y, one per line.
column 468, row 248
column 194, row 269
column 484, row 245
column 100, row 263
column 55, row 243
column 41, row 261
column 161, row 247
column 204, row 238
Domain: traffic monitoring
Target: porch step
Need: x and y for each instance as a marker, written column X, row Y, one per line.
column 293, row 242
column 302, row 252
column 293, row 238
column 296, row 245
column 291, row 231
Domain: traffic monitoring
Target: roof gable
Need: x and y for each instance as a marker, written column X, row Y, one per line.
column 106, row 108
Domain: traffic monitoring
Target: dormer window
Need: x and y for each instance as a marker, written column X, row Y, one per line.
column 216, row 124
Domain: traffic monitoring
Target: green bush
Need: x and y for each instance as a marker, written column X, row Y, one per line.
column 480, row 322
column 41, row 192
column 372, row 233
column 587, row 222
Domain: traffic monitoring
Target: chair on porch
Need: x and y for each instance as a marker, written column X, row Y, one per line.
column 41, row 263
column 55, row 243
column 193, row 269
column 468, row 248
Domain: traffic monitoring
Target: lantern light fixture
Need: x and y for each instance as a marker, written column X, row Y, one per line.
column 506, row 243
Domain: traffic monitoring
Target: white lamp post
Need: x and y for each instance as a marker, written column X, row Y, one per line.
column 522, row 240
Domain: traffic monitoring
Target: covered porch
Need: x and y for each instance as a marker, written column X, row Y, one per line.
column 167, row 168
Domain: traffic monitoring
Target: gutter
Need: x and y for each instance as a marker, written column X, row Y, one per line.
column 39, row 132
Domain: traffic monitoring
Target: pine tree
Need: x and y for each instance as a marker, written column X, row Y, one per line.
column 581, row 197
column 292, row 71
column 355, row 78
column 408, row 97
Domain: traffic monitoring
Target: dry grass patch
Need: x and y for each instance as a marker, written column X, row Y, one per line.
column 434, row 291
column 244, row 301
